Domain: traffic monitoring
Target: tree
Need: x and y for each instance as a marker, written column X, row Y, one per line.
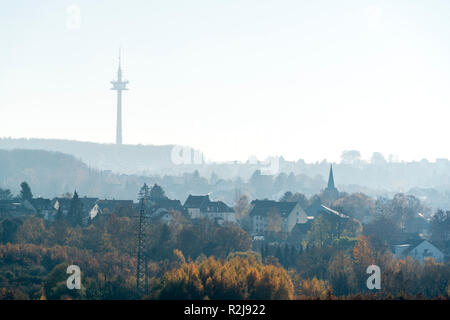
column 341, row 274
column 76, row 211
column 157, row 193
column 274, row 221
column 231, row 237
column 350, row 157
column 25, row 191
column 313, row 289
column 144, row 192
column 183, row 283
column 32, row 230
column 378, row 158
column 383, row 229
column 5, row 194
column 242, row 206
column 320, row 233
column 440, row 228
column 300, row 198
column 55, row 285
column 275, row 284
column 280, row 182
column 8, row 229
column 404, row 208
column 356, row 205
column 362, row 258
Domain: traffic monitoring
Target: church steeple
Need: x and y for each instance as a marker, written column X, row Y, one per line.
column 331, row 179
column 331, row 193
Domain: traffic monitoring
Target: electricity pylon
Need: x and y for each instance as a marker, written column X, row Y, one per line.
column 141, row 270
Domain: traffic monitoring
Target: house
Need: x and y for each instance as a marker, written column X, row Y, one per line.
column 300, row 231
column 202, row 207
column 62, row 204
column 88, row 203
column 107, row 207
column 44, row 207
column 418, row 249
column 167, row 204
column 193, row 205
column 291, row 213
column 340, row 221
column 15, row 207
column 162, row 215
column 161, row 209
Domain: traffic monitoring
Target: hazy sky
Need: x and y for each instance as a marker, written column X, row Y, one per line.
column 302, row 79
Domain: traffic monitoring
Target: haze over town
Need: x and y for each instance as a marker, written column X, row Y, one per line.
column 215, row 150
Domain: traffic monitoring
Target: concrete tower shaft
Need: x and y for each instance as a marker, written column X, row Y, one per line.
column 119, row 86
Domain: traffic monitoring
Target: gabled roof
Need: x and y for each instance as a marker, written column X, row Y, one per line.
column 12, row 205
column 64, row 203
column 412, row 244
column 302, row 228
column 168, row 204
column 88, row 203
column 159, row 213
column 262, row 207
column 195, row 201
column 41, row 203
column 216, row 206
column 113, row 204
column 333, row 212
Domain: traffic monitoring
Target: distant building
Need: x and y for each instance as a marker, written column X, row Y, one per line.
column 15, row 207
column 338, row 219
column 160, row 209
column 44, row 207
column 418, row 249
column 300, row 231
column 203, row 207
column 331, row 193
column 102, row 207
column 291, row 213
column 194, row 204
column 88, row 203
column 324, row 210
column 62, row 204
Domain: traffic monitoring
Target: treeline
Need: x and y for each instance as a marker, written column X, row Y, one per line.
column 53, row 173
column 375, row 173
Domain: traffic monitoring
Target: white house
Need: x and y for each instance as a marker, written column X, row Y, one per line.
column 291, row 213
column 203, row 207
column 418, row 249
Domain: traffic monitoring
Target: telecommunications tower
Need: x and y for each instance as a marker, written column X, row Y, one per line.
column 119, row 86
